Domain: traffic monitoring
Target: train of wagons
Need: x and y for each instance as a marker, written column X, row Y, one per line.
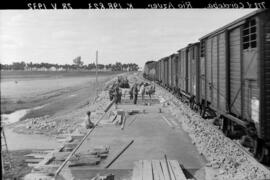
column 226, row 75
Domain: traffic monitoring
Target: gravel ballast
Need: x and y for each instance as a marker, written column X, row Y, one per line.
column 226, row 158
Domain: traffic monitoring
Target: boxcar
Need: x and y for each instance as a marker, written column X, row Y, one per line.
column 159, row 71
column 162, row 71
column 146, row 70
column 193, row 71
column 235, row 78
column 166, row 71
column 174, row 71
column 150, row 70
column 156, row 70
column 183, row 74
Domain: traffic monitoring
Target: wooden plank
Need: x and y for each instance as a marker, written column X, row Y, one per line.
column 177, row 170
column 42, row 151
column 157, row 171
column 167, row 121
column 67, row 139
column 175, row 124
column 32, row 160
column 165, row 170
column 137, row 170
column 60, row 154
column 132, row 120
column 99, row 151
column 31, row 164
column 119, row 154
column 113, row 117
column 123, row 123
column 70, row 145
column 117, row 119
column 36, row 155
column 147, row 170
column 84, row 162
column 173, row 176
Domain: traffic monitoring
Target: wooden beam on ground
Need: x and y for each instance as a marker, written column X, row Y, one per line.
column 179, row 174
column 137, row 170
column 42, row 151
column 123, row 123
column 147, row 170
column 32, row 160
column 112, row 118
column 135, row 117
column 173, row 176
column 109, row 105
column 31, row 164
column 36, row 155
column 167, row 121
column 165, row 170
column 167, row 165
column 118, row 119
column 119, row 154
column 157, row 171
column 60, row 156
column 84, row 162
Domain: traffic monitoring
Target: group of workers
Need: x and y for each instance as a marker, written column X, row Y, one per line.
column 142, row 88
column 116, row 93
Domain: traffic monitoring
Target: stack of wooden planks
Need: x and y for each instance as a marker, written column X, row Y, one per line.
column 35, row 157
column 157, row 170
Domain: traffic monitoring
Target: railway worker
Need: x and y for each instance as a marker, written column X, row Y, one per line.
column 126, row 84
column 142, row 90
column 111, row 92
column 151, row 91
column 135, row 93
column 131, row 93
column 117, row 94
column 88, row 123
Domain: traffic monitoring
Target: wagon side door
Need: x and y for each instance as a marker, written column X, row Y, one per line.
column 235, row 71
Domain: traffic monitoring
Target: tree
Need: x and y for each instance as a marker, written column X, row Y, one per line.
column 77, row 61
column 18, row 65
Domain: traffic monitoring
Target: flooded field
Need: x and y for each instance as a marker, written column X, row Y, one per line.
column 25, row 90
column 27, row 95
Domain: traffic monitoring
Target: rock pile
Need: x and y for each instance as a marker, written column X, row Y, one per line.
column 228, row 160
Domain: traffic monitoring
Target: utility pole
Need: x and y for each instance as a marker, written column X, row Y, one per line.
column 97, row 72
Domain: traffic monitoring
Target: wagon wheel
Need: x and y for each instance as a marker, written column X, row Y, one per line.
column 230, row 130
column 191, row 105
column 203, row 111
column 225, row 127
column 261, row 152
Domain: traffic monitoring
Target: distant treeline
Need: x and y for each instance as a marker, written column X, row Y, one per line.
column 78, row 65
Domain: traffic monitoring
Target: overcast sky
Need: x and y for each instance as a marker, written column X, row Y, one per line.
column 58, row 36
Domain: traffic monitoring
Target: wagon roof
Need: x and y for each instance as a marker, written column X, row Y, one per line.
column 148, row 62
column 234, row 22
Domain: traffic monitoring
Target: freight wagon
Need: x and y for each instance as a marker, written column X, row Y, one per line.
column 236, row 60
column 149, row 70
column 227, row 74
